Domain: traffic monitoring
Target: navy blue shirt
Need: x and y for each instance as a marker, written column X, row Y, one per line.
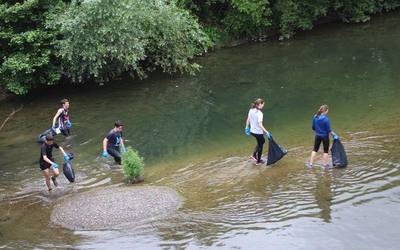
column 114, row 139
column 321, row 125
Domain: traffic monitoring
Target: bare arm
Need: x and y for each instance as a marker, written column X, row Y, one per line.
column 62, row 150
column 56, row 116
column 46, row 159
column 105, row 141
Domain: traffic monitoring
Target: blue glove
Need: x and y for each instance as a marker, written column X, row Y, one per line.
column 247, row 131
column 68, row 124
column 123, row 149
column 269, row 135
column 335, row 136
column 104, row 154
column 54, row 165
column 66, row 157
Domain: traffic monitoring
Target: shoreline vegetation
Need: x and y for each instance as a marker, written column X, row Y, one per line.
column 48, row 42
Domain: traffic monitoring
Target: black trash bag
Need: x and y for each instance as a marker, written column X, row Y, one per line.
column 68, row 171
column 275, row 152
column 42, row 137
column 339, row 157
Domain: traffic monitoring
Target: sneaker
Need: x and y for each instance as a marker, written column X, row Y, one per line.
column 261, row 162
column 253, row 158
column 54, row 181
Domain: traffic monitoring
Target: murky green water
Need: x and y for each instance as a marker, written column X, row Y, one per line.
column 190, row 130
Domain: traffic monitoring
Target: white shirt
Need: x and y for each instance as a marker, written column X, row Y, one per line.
column 255, row 117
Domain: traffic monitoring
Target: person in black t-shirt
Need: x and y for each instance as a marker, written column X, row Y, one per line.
column 46, row 160
column 112, row 142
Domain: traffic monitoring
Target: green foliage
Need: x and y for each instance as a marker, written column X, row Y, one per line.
column 236, row 17
column 132, row 164
column 103, row 39
column 83, row 40
column 27, row 55
column 254, row 17
column 298, row 14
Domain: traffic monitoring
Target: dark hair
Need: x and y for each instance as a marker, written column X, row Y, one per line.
column 257, row 102
column 118, row 124
column 321, row 110
column 49, row 137
column 63, row 101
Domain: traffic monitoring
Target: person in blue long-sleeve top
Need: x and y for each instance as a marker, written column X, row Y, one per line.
column 322, row 129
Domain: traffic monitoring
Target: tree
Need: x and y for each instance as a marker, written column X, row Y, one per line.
column 103, row 39
column 27, row 51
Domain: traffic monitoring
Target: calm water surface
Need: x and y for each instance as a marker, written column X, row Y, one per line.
column 190, row 131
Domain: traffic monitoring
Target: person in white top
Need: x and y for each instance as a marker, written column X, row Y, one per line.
column 254, row 126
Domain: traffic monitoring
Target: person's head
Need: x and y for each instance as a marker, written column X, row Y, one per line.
column 49, row 139
column 258, row 104
column 65, row 103
column 118, row 125
column 323, row 110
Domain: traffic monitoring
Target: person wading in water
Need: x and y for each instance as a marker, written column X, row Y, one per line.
column 61, row 119
column 321, row 126
column 254, row 126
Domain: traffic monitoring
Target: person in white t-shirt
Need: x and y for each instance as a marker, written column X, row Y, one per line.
column 254, row 126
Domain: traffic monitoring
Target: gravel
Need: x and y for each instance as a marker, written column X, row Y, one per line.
column 115, row 207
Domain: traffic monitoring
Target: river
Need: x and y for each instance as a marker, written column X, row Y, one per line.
column 190, row 131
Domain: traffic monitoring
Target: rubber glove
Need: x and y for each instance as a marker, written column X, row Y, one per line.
column 104, row 154
column 247, row 131
column 66, row 157
column 269, row 135
column 68, row 124
column 54, row 165
column 335, row 136
column 123, row 149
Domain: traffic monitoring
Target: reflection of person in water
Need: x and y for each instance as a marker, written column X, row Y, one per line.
column 323, row 195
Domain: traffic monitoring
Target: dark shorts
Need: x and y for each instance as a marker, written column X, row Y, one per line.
column 65, row 132
column 44, row 165
column 325, row 142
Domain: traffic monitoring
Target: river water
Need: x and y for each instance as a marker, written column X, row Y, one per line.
column 190, row 131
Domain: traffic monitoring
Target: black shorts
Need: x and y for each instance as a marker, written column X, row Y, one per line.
column 325, row 142
column 65, row 132
column 44, row 165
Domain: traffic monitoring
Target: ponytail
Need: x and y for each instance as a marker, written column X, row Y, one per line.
column 256, row 103
column 321, row 110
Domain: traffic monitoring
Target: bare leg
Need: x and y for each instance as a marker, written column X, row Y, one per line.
column 325, row 159
column 46, row 175
column 312, row 158
column 56, row 172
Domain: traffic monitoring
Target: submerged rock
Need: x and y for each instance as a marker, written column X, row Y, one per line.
column 115, row 207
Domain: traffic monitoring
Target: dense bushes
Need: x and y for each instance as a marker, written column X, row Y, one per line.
column 27, row 52
column 42, row 41
column 103, row 39
column 251, row 17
